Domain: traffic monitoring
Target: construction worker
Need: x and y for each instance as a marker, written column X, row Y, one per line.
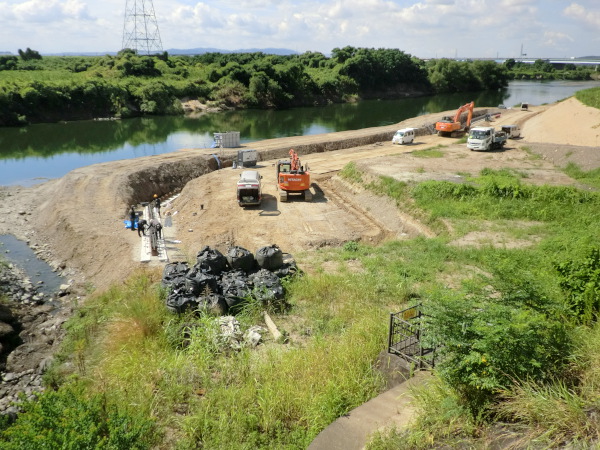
column 142, row 224
column 155, row 225
column 132, row 217
column 157, row 203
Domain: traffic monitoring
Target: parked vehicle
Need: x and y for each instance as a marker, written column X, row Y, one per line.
column 452, row 126
column 512, row 131
column 404, row 136
column 485, row 138
column 293, row 178
column 247, row 158
column 249, row 188
column 524, row 106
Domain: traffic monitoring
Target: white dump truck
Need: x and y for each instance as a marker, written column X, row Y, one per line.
column 249, row 188
column 485, row 138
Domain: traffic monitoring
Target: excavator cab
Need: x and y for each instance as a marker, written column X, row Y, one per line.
column 292, row 178
column 452, row 126
column 284, row 166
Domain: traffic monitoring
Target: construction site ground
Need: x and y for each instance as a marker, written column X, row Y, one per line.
column 78, row 219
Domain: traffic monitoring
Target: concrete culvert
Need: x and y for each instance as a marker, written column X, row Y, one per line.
column 240, row 258
column 269, row 257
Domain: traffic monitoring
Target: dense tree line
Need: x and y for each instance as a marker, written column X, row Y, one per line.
column 46, row 89
column 543, row 70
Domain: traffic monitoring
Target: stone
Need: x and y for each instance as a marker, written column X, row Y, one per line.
column 8, row 377
column 5, row 329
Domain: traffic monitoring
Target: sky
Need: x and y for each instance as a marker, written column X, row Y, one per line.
column 422, row 28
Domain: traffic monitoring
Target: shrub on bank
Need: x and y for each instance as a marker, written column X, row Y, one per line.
column 72, row 418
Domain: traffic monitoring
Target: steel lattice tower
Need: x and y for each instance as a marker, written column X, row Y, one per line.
column 140, row 29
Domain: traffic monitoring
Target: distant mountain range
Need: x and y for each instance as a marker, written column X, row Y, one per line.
column 200, row 51
column 179, row 51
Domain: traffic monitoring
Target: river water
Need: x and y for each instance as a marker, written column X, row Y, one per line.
column 35, row 153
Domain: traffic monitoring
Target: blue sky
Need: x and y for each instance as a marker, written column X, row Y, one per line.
column 423, row 28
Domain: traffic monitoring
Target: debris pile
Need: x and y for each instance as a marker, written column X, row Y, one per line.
column 220, row 284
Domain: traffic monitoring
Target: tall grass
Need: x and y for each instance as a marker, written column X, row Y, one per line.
column 591, row 177
column 172, row 369
column 564, row 409
column 589, row 97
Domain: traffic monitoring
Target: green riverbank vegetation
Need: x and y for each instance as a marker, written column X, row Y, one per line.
column 514, row 319
column 53, row 88
column 542, row 69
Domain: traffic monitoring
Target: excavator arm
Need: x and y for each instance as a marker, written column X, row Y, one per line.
column 294, row 159
column 448, row 125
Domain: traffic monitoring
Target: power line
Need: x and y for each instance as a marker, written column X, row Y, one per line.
column 140, row 28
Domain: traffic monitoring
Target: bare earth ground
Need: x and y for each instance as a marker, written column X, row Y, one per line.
column 79, row 217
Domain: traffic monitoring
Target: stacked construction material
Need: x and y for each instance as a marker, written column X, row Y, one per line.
column 219, row 284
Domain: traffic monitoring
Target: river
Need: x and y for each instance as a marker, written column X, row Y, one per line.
column 36, row 153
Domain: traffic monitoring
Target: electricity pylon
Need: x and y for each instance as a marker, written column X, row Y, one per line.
column 140, row 29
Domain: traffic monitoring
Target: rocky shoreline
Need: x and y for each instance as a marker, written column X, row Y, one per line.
column 30, row 333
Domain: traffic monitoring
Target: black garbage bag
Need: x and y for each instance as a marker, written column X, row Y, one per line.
column 192, row 287
column 240, row 258
column 174, row 270
column 175, row 284
column 213, row 304
column 267, row 286
column 236, row 277
column 179, row 302
column 210, row 260
column 207, row 283
column 288, row 269
column 236, row 287
column 269, row 257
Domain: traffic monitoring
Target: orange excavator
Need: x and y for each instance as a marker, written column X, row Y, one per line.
column 293, row 178
column 452, row 126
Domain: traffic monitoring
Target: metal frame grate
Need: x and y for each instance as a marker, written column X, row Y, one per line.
column 405, row 338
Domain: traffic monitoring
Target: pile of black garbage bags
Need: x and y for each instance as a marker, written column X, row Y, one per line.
column 219, row 284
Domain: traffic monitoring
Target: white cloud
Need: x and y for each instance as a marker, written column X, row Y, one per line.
column 42, row 11
column 553, row 38
column 583, row 15
column 424, row 28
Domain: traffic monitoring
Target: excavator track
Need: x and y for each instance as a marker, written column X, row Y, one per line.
column 329, row 189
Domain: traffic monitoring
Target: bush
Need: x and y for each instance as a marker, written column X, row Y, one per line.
column 580, row 281
column 67, row 419
column 485, row 344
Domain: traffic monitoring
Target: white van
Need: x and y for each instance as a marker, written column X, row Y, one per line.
column 512, row 131
column 248, row 188
column 404, row 136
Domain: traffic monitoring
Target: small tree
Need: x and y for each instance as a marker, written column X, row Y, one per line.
column 29, row 54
